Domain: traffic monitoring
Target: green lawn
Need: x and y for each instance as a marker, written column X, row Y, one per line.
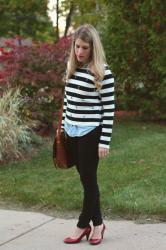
column 132, row 179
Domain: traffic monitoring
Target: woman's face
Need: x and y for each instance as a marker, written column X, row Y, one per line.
column 82, row 51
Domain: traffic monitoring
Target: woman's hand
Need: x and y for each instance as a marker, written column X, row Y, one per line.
column 103, row 152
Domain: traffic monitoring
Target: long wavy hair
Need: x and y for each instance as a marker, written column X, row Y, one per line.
column 88, row 34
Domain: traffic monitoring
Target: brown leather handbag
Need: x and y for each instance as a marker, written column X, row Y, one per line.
column 61, row 156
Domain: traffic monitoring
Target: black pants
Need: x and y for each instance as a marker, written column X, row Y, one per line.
column 84, row 150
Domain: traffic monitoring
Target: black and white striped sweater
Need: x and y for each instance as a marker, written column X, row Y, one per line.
column 84, row 105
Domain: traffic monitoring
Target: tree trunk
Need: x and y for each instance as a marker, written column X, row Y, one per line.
column 68, row 18
column 57, row 19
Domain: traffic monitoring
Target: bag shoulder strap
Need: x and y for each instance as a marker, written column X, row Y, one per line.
column 60, row 114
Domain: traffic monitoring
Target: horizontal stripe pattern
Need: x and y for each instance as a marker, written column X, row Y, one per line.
column 84, row 105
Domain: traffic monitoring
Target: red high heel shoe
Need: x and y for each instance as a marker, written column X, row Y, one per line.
column 86, row 233
column 98, row 241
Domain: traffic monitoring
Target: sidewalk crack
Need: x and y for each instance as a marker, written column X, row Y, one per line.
column 26, row 232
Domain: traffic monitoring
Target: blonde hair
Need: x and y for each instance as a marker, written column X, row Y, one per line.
column 88, row 34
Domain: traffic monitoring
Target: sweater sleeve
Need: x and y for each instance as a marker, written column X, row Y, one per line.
column 108, row 104
column 64, row 110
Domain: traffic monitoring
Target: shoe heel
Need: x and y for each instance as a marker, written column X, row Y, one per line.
column 102, row 233
column 87, row 236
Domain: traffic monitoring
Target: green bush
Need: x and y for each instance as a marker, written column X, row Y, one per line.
column 14, row 133
column 134, row 39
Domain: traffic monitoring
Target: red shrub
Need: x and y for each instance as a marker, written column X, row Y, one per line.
column 39, row 71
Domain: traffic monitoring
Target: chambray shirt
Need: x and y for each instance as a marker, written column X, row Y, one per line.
column 74, row 130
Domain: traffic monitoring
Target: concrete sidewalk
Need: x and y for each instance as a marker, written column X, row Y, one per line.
column 35, row 231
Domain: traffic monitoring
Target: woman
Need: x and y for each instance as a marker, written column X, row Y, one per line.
column 87, row 120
